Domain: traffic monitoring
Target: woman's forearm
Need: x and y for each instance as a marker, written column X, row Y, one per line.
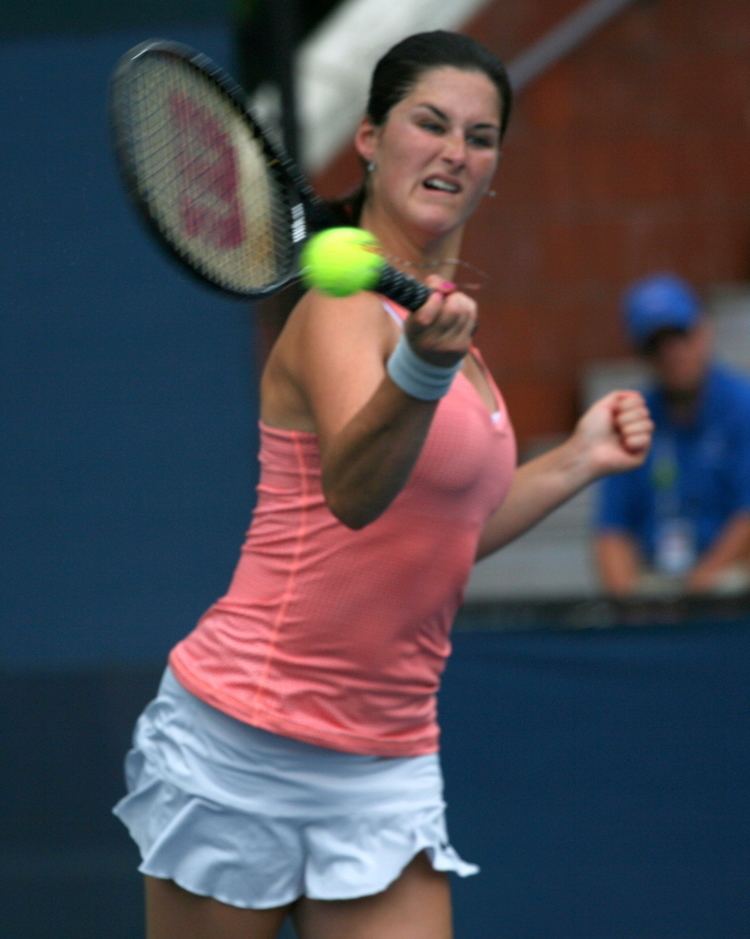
column 612, row 436
column 368, row 462
column 538, row 487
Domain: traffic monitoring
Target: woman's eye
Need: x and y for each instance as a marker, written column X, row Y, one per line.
column 480, row 141
column 432, row 127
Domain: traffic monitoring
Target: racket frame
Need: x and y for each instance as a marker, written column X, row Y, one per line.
column 307, row 212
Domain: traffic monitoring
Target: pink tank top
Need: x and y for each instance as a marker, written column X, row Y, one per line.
column 336, row 637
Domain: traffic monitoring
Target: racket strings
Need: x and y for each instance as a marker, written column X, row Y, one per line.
column 466, row 276
column 207, row 181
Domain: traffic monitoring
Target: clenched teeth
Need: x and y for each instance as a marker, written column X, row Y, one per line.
column 443, row 185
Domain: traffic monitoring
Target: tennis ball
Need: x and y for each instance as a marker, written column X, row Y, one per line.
column 341, row 261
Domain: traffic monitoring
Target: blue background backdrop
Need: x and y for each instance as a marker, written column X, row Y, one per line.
column 129, row 389
column 601, row 778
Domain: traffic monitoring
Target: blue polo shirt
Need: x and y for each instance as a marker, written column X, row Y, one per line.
column 699, row 471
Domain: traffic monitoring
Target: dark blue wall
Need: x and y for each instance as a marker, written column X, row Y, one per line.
column 602, row 780
column 129, row 390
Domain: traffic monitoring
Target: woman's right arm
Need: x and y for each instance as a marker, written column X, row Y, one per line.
column 370, row 431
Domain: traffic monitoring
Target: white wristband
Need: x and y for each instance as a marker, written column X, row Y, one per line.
column 416, row 377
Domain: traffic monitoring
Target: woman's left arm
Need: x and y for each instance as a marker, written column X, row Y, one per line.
column 614, row 435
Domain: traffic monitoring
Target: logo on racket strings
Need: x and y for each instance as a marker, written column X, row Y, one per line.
column 209, row 204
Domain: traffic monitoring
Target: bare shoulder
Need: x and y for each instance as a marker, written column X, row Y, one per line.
column 329, row 347
column 322, row 331
column 320, row 316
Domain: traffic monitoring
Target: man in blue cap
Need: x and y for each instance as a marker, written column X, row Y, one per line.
column 682, row 520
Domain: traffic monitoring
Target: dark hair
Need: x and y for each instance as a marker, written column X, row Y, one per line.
column 399, row 70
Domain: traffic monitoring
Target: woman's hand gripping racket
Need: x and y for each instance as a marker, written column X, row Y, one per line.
column 213, row 188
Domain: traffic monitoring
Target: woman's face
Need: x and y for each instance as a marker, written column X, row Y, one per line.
column 436, row 153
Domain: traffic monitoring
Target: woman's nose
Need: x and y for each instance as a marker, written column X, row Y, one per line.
column 455, row 148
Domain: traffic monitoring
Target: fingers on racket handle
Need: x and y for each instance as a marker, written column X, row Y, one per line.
column 403, row 289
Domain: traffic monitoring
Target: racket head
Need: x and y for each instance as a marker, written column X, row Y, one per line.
column 204, row 175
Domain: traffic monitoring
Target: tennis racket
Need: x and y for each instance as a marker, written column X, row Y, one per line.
column 214, row 189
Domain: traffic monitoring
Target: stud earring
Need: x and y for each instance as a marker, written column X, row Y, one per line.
column 371, row 166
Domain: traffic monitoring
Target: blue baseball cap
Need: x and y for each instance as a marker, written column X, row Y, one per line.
column 662, row 301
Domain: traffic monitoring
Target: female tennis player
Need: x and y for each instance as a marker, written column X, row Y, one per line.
column 289, row 764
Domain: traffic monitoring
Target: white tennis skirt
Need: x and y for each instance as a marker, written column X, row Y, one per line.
column 257, row 820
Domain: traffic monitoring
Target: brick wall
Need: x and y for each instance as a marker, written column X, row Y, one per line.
column 629, row 156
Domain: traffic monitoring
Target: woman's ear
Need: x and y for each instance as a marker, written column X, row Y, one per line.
column 365, row 140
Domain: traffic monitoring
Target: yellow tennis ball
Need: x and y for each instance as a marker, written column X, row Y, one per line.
column 341, row 261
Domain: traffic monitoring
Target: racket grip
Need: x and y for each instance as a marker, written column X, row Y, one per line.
column 401, row 288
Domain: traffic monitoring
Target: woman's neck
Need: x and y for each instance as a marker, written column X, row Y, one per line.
column 416, row 256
